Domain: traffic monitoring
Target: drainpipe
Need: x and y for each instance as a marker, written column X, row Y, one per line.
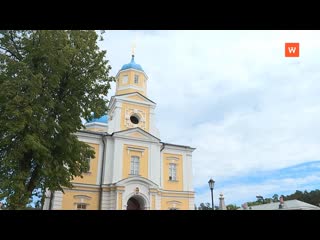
column 102, row 172
column 161, row 173
column 51, row 200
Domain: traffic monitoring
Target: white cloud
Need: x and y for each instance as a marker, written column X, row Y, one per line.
column 231, row 94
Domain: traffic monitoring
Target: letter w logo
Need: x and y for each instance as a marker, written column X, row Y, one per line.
column 292, row 50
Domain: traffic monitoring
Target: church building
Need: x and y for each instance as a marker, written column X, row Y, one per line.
column 132, row 169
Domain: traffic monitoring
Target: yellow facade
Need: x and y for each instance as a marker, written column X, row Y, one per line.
column 125, row 91
column 119, row 201
column 72, row 197
column 176, row 185
column 143, row 112
column 136, row 97
column 123, row 187
column 153, row 199
column 139, row 151
column 136, row 135
column 91, row 176
column 130, row 86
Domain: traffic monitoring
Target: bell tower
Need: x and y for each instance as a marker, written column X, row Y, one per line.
column 131, row 78
column 130, row 107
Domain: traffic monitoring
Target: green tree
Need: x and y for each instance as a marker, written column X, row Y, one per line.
column 204, row 206
column 49, row 82
column 232, row 207
column 275, row 198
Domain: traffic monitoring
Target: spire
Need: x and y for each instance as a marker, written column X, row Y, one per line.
column 133, row 49
column 222, row 205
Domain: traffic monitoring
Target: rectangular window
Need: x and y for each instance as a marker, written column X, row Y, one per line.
column 125, row 79
column 172, row 172
column 134, row 165
column 89, row 161
column 81, row 206
column 136, row 79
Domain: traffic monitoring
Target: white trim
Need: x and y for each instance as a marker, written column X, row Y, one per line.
column 130, row 87
column 132, row 69
column 141, row 195
column 175, row 197
column 96, row 123
column 136, row 149
column 185, row 175
column 80, row 203
column 125, row 79
column 176, row 192
column 75, row 184
column 137, row 180
column 125, row 98
column 134, row 165
column 117, row 161
column 133, row 130
column 136, row 139
column 89, row 137
column 158, row 202
column 82, row 197
column 191, row 203
column 136, row 102
column 109, row 158
column 57, row 200
column 178, row 148
column 189, row 172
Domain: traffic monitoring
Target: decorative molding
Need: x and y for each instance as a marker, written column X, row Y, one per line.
column 82, row 197
column 174, row 202
column 172, row 158
column 130, row 87
column 141, row 115
column 135, row 149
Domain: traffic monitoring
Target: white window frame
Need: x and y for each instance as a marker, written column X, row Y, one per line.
column 134, row 165
column 81, row 204
column 172, row 172
column 88, row 160
column 136, row 79
column 125, row 79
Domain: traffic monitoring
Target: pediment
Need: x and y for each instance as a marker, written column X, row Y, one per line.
column 136, row 133
column 135, row 97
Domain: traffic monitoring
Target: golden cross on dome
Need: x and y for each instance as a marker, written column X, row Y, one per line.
column 133, row 48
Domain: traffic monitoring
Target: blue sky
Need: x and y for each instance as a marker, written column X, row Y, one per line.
column 252, row 114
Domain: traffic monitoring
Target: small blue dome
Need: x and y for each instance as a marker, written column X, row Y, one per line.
column 132, row 64
column 103, row 119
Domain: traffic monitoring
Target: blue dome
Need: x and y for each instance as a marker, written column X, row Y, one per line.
column 132, row 64
column 103, row 119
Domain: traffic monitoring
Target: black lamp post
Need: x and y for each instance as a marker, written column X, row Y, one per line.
column 211, row 185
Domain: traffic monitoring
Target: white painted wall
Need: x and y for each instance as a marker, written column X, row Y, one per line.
column 57, row 200
column 109, row 158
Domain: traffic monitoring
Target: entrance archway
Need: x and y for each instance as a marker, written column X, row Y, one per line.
column 136, row 203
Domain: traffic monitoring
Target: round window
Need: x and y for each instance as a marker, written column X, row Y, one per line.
column 134, row 119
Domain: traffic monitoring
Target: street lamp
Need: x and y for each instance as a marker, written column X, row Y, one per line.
column 211, row 185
